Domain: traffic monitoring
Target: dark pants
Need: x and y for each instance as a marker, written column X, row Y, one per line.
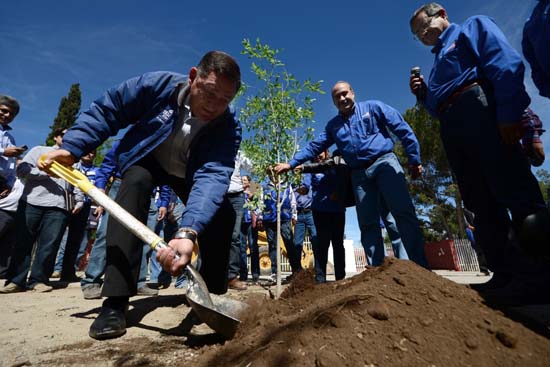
column 7, row 240
column 493, row 178
column 45, row 226
column 249, row 236
column 235, row 264
column 330, row 228
column 74, row 244
column 124, row 250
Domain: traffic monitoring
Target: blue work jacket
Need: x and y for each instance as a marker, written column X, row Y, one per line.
column 477, row 50
column 535, row 45
column 364, row 136
column 149, row 104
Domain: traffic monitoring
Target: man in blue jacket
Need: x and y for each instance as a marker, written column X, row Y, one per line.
column 476, row 90
column 182, row 134
column 361, row 132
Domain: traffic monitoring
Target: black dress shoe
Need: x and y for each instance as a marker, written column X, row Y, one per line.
column 110, row 323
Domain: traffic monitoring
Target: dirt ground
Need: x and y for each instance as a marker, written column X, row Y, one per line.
column 395, row 315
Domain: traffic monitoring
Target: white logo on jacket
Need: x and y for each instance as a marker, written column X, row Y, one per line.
column 166, row 115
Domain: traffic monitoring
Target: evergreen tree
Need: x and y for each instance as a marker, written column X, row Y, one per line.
column 66, row 115
column 543, row 177
column 102, row 150
column 435, row 194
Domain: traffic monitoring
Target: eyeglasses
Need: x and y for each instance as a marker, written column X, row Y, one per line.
column 420, row 32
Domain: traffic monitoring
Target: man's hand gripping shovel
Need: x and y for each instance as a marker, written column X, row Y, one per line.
column 220, row 313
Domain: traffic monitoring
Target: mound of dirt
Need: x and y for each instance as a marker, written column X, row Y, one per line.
column 396, row 315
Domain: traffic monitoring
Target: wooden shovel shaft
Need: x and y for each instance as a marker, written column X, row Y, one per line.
column 76, row 178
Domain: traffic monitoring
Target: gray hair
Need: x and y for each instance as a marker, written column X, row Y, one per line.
column 10, row 102
column 430, row 9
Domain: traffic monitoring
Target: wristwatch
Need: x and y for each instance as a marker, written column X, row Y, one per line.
column 186, row 233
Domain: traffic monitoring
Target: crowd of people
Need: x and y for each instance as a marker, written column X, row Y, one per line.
column 178, row 168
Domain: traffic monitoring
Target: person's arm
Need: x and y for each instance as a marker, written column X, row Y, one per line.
column 27, row 169
column 118, row 108
column 501, row 64
column 245, row 162
column 397, row 125
column 107, row 169
column 7, row 146
column 164, row 200
column 317, row 167
column 531, row 140
column 306, row 183
column 540, row 78
column 395, row 122
column 78, row 199
column 11, row 151
column 293, row 204
column 216, row 157
column 310, row 151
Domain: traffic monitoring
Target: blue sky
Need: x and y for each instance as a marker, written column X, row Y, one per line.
column 48, row 45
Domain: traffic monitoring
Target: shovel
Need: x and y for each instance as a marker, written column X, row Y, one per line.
column 220, row 313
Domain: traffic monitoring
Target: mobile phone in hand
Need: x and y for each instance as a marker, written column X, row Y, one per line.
column 24, row 147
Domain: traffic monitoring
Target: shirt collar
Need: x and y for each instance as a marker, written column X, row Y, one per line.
column 443, row 37
column 351, row 114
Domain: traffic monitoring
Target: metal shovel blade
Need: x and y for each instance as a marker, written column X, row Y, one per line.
column 220, row 313
column 221, row 317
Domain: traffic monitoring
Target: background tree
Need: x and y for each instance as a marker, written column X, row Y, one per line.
column 66, row 115
column 102, row 150
column 278, row 114
column 543, row 177
column 435, row 194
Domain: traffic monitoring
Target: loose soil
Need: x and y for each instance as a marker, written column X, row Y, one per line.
column 396, row 315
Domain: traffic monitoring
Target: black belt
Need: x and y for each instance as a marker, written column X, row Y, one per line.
column 305, row 210
column 444, row 106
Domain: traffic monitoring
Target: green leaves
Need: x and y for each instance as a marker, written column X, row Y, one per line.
column 278, row 109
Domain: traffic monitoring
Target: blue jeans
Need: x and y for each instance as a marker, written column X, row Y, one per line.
column 97, row 260
column 236, row 268
column 286, row 234
column 304, row 221
column 45, row 226
column 396, row 243
column 167, row 228
column 249, row 236
column 330, row 228
column 385, row 179
column 391, row 227
column 147, row 252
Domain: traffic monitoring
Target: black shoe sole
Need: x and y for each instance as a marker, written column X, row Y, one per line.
column 111, row 334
